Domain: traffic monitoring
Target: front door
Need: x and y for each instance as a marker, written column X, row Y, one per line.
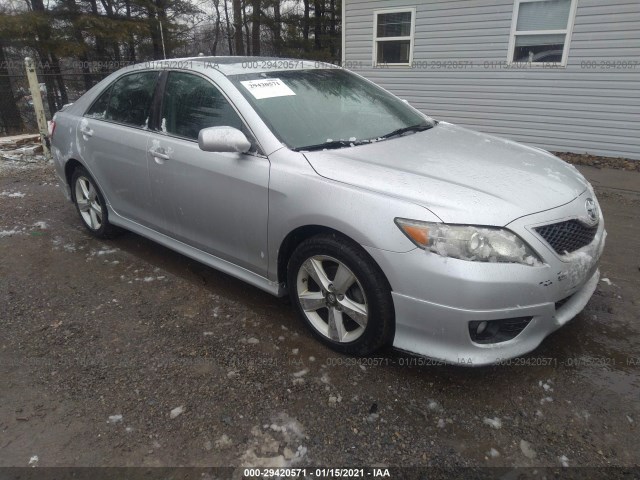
column 216, row 202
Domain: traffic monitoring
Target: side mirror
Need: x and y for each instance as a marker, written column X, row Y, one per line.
column 223, row 139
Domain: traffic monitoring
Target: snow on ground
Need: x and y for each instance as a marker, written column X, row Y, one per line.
column 9, row 233
column 12, row 194
column 176, row 412
column 493, row 422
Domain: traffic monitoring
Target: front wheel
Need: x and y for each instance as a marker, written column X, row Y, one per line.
column 341, row 295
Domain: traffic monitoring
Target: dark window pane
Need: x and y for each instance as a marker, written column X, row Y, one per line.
column 99, row 108
column 394, row 24
column 539, row 48
column 130, row 99
column 192, row 103
column 394, row 51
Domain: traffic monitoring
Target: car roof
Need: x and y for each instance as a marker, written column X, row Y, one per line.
column 234, row 65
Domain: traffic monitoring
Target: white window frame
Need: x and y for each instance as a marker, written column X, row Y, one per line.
column 567, row 32
column 377, row 39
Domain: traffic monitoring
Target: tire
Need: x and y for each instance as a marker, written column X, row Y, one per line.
column 341, row 295
column 90, row 204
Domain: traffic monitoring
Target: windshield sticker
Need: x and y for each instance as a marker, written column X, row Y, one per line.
column 268, row 88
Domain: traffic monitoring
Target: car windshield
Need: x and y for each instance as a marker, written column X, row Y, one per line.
column 326, row 108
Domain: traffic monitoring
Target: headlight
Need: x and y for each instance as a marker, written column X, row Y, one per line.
column 466, row 242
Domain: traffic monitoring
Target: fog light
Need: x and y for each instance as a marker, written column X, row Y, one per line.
column 496, row 331
column 481, row 328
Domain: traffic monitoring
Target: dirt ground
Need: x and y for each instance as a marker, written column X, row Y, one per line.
column 124, row 353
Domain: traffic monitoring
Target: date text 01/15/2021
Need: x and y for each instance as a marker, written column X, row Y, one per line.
column 316, row 472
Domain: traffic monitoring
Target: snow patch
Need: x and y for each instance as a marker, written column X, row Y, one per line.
column 9, row 233
column 493, row 453
column 114, row 418
column 527, row 450
column 495, row 422
column 176, row 412
column 12, row 194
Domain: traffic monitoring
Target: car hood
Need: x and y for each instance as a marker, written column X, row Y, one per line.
column 460, row 175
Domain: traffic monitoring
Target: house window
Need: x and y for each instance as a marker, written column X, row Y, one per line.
column 393, row 36
column 541, row 31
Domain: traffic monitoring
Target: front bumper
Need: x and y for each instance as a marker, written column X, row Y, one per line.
column 435, row 298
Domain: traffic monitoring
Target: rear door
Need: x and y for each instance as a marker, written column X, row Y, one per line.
column 216, row 202
column 112, row 139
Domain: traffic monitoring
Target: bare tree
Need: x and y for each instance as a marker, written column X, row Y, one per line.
column 255, row 27
column 237, row 26
column 216, row 31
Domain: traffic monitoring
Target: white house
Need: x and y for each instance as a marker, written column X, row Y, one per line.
column 560, row 74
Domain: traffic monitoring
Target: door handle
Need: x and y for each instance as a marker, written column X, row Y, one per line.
column 158, row 154
column 87, row 132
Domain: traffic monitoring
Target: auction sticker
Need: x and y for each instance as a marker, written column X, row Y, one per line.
column 267, row 88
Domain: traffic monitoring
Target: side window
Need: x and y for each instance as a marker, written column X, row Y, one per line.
column 541, row 31
column 130, row 99
column 99, row 108
column 192, row 103
column 393, row 36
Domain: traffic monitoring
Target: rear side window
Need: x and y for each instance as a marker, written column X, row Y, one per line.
column 127, row 101
column 99, row 108
column 192, row 103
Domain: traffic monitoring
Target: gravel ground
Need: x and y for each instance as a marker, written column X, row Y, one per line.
column 124, row 353
column 599, row 162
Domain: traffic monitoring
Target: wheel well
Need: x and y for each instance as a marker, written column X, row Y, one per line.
column 69, row 168
column 299, row 235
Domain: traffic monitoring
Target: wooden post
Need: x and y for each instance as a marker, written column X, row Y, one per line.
column 34, row 87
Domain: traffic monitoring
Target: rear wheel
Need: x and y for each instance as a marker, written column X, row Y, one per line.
column 341, row 295
column 90, row 204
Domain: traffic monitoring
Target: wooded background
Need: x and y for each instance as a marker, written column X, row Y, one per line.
column 76, row 43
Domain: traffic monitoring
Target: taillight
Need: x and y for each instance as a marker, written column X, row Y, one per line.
column 52, row 128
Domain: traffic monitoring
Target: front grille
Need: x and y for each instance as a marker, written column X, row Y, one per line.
column 567, row 237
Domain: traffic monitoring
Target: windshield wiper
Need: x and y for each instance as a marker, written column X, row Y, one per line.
column 412, row 128
column 331, row 145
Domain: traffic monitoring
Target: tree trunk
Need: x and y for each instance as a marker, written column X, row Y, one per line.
column 226, row 17
column 305, row 26
column 237, row 26
column 154, row 33
column 131, row 44
column 108, row 7
column 62, row 89
column 74, row 13
column 332, row 30
column 255, row 28
column 245, row 23
column 317, row 30
column 9, row 114
column 277, row 28
column 100, row 48
column 216, row 31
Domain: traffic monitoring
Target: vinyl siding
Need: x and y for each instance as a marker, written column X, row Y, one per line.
column 572, row 108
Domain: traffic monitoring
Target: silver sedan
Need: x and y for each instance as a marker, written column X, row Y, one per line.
column 385, row 226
